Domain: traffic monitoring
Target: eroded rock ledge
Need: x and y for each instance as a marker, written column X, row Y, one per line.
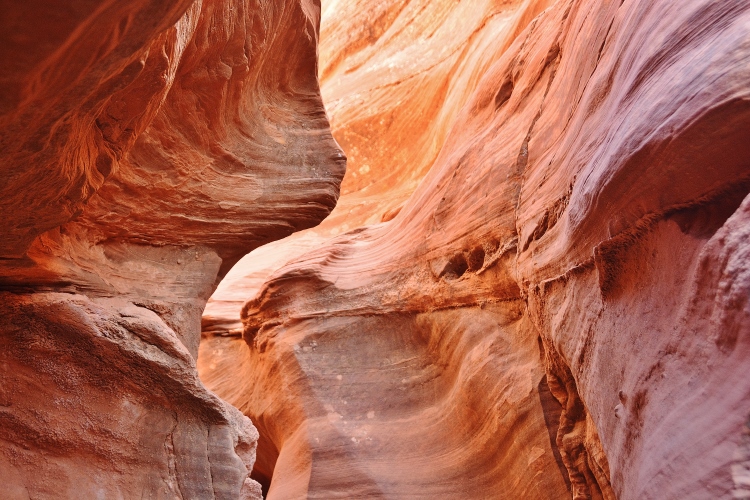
column 146, row 146
column 559, row 310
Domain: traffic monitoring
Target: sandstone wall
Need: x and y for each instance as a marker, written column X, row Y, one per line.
column 561, row 307
column 146, row 146
column 394, row 75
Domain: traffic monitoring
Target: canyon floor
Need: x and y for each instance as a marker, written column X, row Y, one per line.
column 413, row 249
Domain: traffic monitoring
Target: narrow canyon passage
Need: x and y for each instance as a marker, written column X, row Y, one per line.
column 417, row 249
column 538, row 317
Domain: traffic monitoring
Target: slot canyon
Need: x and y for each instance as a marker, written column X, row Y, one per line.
column 344, row 249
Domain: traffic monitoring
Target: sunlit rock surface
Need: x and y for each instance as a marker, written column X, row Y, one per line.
column 146, row 146
column 394, row 76
column 560, row 309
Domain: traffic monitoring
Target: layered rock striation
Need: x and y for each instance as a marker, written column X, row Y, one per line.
column 394, row 76
column 146, row 146
column 561, row 307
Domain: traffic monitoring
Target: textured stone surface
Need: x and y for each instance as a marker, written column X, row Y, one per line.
column 394, row 75
column 146, row 146
column 101, row 400
column 561, row 307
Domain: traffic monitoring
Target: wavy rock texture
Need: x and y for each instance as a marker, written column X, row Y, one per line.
column 146, row 146
column 394, row 75
column 559, row 310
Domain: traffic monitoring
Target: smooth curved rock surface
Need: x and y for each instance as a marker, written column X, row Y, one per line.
column 146, row 146
column 394, row 75
column 559, row 310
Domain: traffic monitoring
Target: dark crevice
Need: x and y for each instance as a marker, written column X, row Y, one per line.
column 267, row 454
column 455, row 268
column 503, row 95
column 263, row 480
column 475, row 259
column 551, row 410
column 576, row 440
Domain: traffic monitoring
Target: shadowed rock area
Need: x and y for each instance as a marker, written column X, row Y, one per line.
column 560, row 309
column 146, row 146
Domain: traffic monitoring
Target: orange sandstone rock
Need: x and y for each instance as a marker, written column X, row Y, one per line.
column 394, row 75
column 559, row 310
column 146, row 146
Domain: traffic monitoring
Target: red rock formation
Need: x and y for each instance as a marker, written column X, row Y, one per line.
column 394, row 75
column 560, row 309
column 146, row 146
